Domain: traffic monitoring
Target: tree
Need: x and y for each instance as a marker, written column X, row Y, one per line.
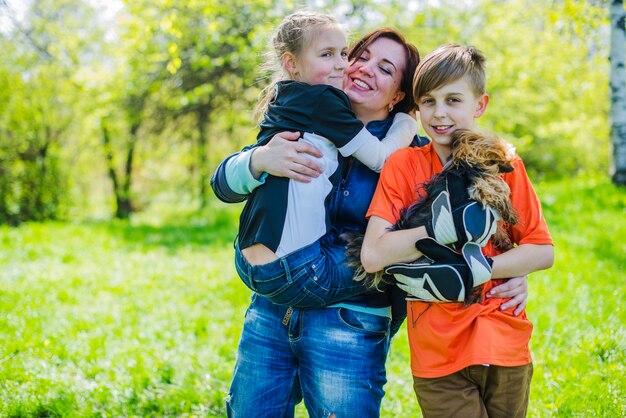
column 40, row 56
column 547, row 72
column 214, row 59
column 618, row 90
column 137, row 68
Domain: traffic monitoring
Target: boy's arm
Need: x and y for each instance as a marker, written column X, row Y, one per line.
column 521, row 260
column 534, row 250
column 395, row 190
column 373, row 153
column 382, row 247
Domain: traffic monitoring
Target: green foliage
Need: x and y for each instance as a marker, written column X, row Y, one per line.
column 547, row 65
column 175, row 83
column 578, row 306
column 142, row 318
column 120, row 320
column 39, row 94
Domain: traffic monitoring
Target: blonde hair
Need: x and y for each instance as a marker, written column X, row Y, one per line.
column 294, row 34
column 449, row 63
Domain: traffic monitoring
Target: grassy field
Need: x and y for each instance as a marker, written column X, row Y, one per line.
column 143, row 318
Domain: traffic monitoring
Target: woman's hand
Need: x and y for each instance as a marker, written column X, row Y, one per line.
column 516, row 289
column 284, row 156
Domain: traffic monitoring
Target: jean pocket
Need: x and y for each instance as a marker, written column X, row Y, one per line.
column 313, row 273
column 364, row 322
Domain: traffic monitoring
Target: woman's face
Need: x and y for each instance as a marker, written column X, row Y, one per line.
column 372, row 81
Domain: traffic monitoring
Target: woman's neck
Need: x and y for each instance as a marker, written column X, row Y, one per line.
column 366, row 115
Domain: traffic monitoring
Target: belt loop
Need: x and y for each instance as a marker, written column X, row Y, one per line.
column 285, row 266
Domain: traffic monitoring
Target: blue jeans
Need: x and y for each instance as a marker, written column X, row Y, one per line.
column 333, row 358
column 311, row 277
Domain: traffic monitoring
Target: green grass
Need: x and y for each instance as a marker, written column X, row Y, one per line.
column 142, row 318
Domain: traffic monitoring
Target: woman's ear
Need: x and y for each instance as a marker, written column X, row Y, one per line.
column 290, row 64
column 481, row 105
column 397, row 98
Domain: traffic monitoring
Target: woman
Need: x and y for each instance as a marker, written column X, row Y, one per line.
column 333, row 358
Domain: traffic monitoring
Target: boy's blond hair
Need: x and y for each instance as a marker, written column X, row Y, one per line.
column 449, row 63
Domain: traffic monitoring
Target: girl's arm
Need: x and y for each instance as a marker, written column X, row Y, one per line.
column 374, row 152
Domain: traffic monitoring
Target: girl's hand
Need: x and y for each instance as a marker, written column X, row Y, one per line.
column 516, row 289
column 284, row 156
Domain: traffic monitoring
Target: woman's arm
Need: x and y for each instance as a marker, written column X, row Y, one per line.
column 239, row 174
column 515, row 290
column 523, row 259
column 284, row 156
column 220, row 185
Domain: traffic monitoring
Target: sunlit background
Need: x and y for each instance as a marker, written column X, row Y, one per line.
column 118, row 295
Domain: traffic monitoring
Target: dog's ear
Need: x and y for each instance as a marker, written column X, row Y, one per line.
column 505, row 168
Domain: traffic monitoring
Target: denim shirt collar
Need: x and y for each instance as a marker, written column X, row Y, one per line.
column 379, row 128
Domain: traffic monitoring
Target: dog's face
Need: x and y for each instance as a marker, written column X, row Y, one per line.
column 489, row 152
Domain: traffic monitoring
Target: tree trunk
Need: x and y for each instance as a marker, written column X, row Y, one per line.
column 123, row 204
column 203, row 117
column 618, row 90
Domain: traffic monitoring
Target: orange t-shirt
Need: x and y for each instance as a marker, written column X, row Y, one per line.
column 447, row 337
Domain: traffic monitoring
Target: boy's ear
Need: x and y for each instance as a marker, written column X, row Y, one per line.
column 481, row 105
column 289, row 63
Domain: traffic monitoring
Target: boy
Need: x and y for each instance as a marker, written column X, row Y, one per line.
column 466, row 361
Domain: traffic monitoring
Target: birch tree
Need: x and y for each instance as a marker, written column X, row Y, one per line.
column 618, row 90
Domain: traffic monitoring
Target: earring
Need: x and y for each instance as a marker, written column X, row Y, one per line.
column 390, row 108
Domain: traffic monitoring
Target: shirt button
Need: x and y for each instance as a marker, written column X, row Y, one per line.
column 346, row 193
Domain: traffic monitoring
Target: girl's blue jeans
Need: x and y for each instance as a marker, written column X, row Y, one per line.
column 311, row 277
column 333, row 358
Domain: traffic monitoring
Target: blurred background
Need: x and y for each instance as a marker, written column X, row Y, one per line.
column 118, row 295
column 110, row 107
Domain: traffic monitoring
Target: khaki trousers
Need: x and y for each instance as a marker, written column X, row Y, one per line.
column 476, row 392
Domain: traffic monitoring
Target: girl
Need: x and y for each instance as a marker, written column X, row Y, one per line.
column 285, row 216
